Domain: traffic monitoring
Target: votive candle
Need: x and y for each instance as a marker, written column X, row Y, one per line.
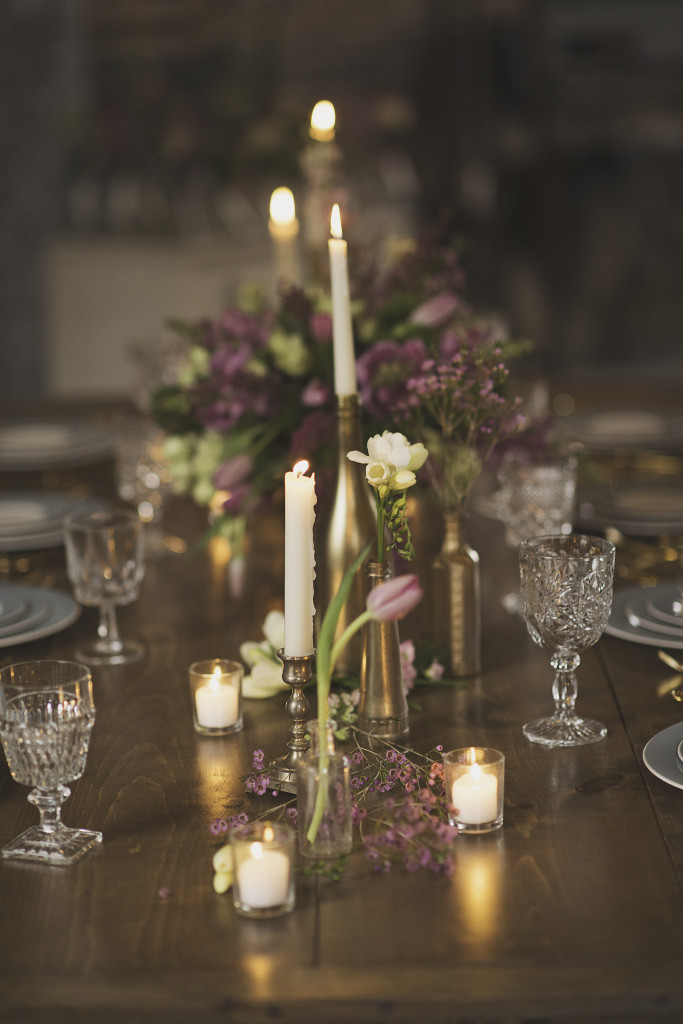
column 474, row 778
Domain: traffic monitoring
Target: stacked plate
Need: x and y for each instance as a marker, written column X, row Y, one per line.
column 649, row 615
column 31, row 521
column 46, row 444
column 28, row 613
column 663, row 755
column 646, row 508
column 618, row 429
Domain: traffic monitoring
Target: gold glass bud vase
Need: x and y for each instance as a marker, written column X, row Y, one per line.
column 456, row 602
column 343, row 527
column 382, row 705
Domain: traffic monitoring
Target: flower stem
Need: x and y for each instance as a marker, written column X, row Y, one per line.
column 380, row 531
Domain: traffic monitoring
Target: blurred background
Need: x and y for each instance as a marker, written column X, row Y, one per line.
column 142, row 140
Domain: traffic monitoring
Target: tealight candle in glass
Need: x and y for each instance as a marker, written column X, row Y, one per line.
column 216, row 691
column 475, row 780
column 263, row 863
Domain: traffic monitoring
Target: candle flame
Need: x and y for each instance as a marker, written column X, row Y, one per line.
column 256, row 850
column 323, row 119
column 215, row 680
column 335, row 222
column 472, row 755
column 282, row 208
column 300, row 468
column 268, row 834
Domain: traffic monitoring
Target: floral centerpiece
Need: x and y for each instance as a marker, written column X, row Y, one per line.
column 257, row 392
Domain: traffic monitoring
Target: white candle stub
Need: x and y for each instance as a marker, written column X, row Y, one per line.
column 475, row 796
column 217, row 703
column 263, row 877
column 342, row 328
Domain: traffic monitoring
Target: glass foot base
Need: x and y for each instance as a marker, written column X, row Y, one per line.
column 123, row 654
column 564, row 732
column 64, row 846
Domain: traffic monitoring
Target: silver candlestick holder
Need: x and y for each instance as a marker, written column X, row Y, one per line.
column 297, row 672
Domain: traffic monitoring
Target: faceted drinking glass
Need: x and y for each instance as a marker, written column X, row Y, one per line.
column 105, row 563
column 566, row 592
column 46, row 717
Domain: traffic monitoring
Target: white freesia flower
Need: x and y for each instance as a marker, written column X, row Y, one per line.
column 265, row 678
column 264, row 681
column 274, row 629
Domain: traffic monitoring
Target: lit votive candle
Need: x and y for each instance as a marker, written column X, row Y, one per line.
column 474, row 778
column 216, row 688
column 263, row 863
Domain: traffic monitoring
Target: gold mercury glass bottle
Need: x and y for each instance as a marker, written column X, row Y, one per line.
column 343, row 529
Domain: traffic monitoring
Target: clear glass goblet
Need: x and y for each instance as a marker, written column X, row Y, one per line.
column 46, row 717
column 566, row 592
column 105, row 563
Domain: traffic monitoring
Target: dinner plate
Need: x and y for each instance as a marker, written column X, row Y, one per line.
column 642, row 507
column 48, row 444
column 625, row 428
column 631, row 619
column 661, row 755
column 29, row 613
column 31, row 521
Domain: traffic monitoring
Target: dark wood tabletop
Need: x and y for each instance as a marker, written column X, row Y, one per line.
column 573, row 911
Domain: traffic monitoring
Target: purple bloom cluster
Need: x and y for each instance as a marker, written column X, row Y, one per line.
column 257, row 782
column 413, row 835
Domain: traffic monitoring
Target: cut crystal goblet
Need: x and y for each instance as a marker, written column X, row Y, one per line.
column 46, row 717
column 566, row 592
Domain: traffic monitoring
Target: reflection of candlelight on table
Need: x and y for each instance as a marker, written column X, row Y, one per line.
column 479, row 882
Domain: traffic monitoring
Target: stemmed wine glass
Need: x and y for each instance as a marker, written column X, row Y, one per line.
column 105, row 563
column 46, row 718
column 566, row 591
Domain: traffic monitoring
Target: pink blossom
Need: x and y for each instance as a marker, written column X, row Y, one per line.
column 321, row 326
column 436, row 311
column 394, row 598
column 232, row 471
column 408, row 670
column 315, row 393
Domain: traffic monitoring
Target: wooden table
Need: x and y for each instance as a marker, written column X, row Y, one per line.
column 573, row 911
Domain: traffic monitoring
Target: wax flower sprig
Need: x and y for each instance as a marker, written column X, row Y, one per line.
column 390, row 467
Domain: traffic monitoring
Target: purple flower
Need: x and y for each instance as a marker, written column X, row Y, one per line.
column 383, row 372
column 232, row 472
column 436, row 311
column 315, row 393
column 395, row 598
column 321, row 326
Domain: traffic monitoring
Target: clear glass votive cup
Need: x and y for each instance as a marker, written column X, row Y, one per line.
column 313, row 733
column 475, row 787
column 216, row 692
column 263, row 863
column 334, row 835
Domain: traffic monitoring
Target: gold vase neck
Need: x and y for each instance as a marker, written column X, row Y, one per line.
column 454, row 529
column 348, row 424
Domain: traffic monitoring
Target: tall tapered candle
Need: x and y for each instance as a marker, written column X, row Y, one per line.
column 299, row 561
column 342, row 330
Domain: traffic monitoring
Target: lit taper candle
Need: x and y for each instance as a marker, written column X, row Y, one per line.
column 342, row 330
column 299, row 561
column 283, row 227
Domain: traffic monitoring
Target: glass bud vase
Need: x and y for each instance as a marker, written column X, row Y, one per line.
column 334, row 836
column 382, row 705
column 342, row 526
column 456, row 603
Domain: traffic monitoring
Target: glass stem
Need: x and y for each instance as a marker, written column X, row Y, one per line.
column 49, row 803
column 564, row 684
column 108, row 629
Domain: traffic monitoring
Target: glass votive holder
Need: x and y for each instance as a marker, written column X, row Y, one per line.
column 263, row 864
column 475, row 787
column 216, row 690
column 313, row 733
column 334, row 835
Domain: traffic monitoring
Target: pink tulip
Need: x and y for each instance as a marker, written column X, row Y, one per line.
column 231, row 472
column 394, row 598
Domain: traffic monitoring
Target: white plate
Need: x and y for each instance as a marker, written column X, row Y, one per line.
column 45, row 444
column 661, row 755
column 644, row 508
column 624, row 428
column 43, row 612
column 29, row 521
column 635, row 601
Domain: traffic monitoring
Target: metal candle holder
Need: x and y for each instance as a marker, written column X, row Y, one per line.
column 297, row 672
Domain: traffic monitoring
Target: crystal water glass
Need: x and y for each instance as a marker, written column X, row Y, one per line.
column 105, row 563
column 566, row 592
column 46, row 717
